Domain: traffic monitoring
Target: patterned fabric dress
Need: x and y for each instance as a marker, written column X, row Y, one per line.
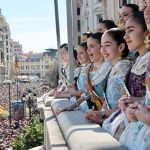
column 115, row 90
column 136, row 81
column 115, row 83
column 136, row 136
column 81, row 85
column 97, row 77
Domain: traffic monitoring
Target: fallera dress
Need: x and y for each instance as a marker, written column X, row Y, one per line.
column 136, row 136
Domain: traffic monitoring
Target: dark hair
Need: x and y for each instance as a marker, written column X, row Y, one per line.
column 97, row 36
column 83, row 45
column 117, row 35
column 134, row 7
column 63, row 45
column 108, row 24
column 88, row 34
column 74, row 51
column 139, row 19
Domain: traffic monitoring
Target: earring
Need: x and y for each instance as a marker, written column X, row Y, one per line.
column 147, row 42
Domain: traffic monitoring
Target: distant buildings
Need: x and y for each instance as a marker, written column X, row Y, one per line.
column 39, row 64
column 86, row 14
column 91, row 12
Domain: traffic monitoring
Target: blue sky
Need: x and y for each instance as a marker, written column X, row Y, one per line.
column 32, row 22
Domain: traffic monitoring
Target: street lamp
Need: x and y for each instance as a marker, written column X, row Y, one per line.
column 9, row 105
column 29, row 102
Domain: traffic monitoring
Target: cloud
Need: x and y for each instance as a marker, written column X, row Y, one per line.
column 38, row 41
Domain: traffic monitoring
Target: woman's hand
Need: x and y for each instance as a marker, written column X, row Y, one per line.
column 130, row 113
column 60, row 110
column 124, row 102
column 143, row 113
column 93, row 116
column 57, row 94
column 51, row 92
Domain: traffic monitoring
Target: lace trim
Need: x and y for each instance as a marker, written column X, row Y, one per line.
column 140, row 65
column 120, row 69
column 99, row 75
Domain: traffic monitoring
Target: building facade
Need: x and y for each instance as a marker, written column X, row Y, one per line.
column 38, row 64
column 6, row 49
column 76, row 23
column 112, row 8
column 91, row 14
column 93, row 11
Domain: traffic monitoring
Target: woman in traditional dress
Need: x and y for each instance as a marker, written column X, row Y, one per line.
column 96, row 73
column 64, row 82
column 75, row 90
column 137, row 133
column 114, row 49
column 64, row 69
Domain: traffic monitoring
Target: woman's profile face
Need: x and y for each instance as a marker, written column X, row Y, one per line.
column 64, row 55
column 135, row 35
column 82, row 55
column 124, row 13
column 142, row 5
column 109, row 48
column 93, row 49
column 83, row 38
column 101, row 28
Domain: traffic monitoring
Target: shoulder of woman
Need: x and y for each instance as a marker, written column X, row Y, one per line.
column 121, row 68
column 125, row 63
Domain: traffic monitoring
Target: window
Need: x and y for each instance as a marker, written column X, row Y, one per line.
column 32, row 67
column 46, row 67
column 37, row 67
column 98, row 1
column 78, row 11
column 6, row 43
column 129, row 1
column 87, row 22
column 86, row 3
column 99, row 18
column 79, row 40
column 2, row 55
column 122, row 2
column 6, row 50
column 78, row 26
column 1, row 44
column 22, row 67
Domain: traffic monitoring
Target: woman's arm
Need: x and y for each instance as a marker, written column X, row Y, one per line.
column 71, row 107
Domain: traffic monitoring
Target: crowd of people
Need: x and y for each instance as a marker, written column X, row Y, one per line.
column 112, row 82
column 8, row 131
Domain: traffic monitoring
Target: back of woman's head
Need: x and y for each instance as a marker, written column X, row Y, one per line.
column 134, row 7
column 97, row 36
column 83, row 45
column 108, row 24
column 74, row 51
column 139, row 19
column 88, row 34
column 63, row 45
column 118, row 36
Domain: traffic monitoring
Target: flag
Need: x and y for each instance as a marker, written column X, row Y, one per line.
column 16, row 63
